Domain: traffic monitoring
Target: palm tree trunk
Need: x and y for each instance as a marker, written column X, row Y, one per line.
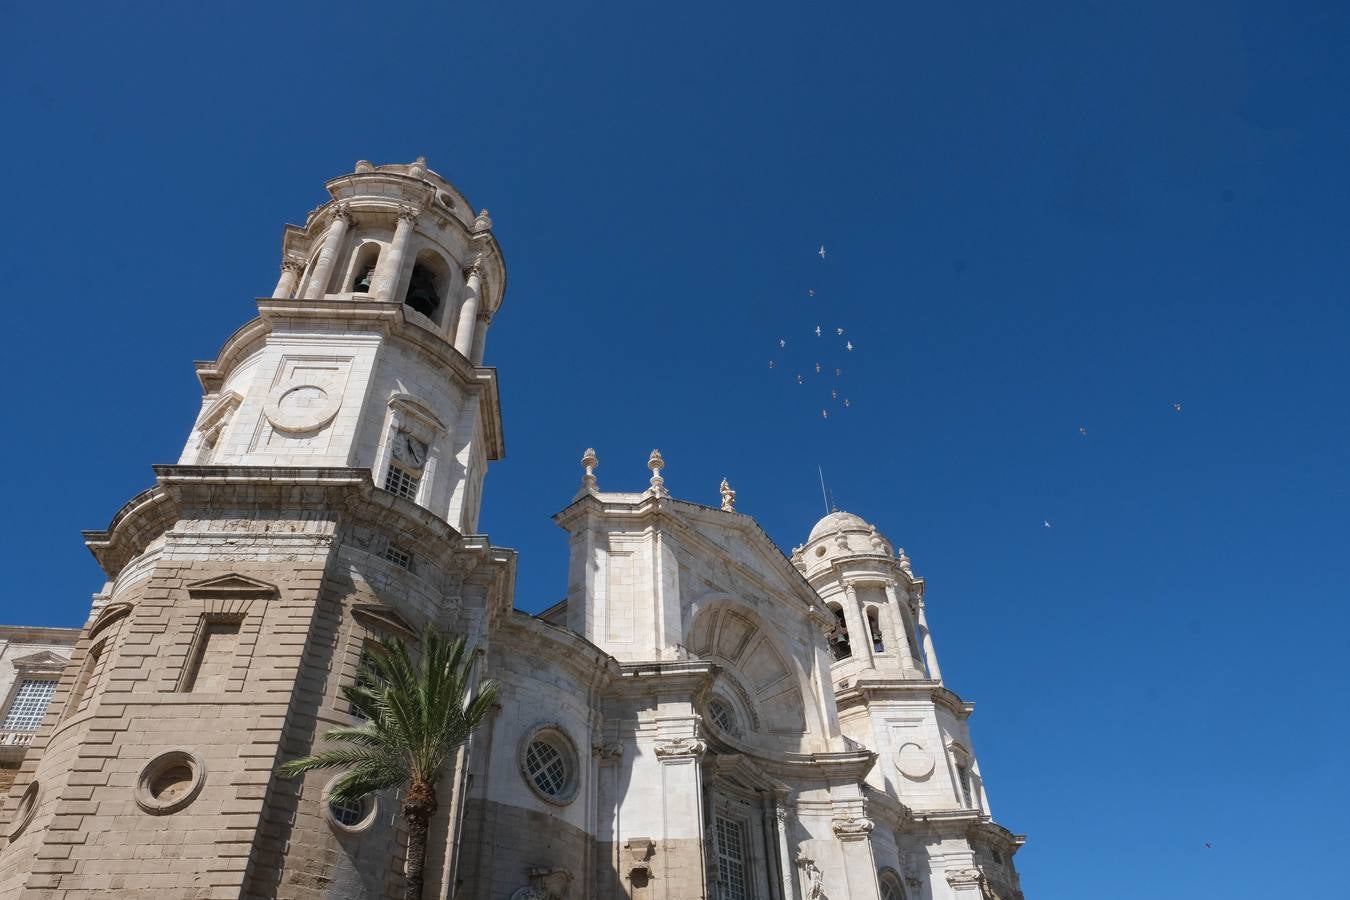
column 418, row 808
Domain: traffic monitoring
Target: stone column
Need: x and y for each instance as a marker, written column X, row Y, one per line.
column 480, row 338
column 901, row 631
column 468, row 312
column 928, row 652
column 859, row 634
column 332, row 246
column 860, row 870
column 290, row 274
column 390, row 266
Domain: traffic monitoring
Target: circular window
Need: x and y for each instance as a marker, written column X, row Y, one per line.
column 548, row 761
column 722, row 715
column 351, row 816
column 170, row 782
column 821, row 550
column 24, row 814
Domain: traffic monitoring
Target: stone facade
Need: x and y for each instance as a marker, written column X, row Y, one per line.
column 701, row 717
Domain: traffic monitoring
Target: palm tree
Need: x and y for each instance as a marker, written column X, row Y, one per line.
column 417, row 715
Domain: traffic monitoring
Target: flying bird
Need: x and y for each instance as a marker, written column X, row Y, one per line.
column 1177, row 407
column 818, row 367
column 821, row 251
column 824, row 413
column 848, row 345
column 810, row 292
column 770, row 364
column 1208, row 845
column 1046, row 523
column 837, row 373
column 1082, row 431
column 846, row 401
column 839, row 331
column 800, row 380
column 782, row 343
column 817, row 331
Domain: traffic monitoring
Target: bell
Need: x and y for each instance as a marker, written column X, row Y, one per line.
column 363, row 283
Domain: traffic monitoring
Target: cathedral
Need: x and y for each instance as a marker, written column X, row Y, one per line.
column 703, row 717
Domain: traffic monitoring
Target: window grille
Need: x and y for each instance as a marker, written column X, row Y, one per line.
column 347, row 812
column 721, row 715
column 399, row 557
column 889, row 890
column 29, row 705
column 731, row 859
column 398, row 480
column 546, row 767
column 963, row 775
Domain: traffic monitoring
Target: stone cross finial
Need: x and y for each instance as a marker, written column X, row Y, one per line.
column 589, row 462
column 656, row 463
column 728, row 497
column 418, row 168
column 903, row 560
column 878, row 543
column 483, row 222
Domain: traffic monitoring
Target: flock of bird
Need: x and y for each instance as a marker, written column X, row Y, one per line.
column 815, row 373
column 831, row 351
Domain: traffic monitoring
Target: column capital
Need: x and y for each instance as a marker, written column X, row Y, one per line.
column 852, row 829
column 291, row 264
column 408, row 213
column 343, row 213
column 681, row 748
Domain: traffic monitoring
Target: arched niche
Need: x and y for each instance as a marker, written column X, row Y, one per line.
column 769, row 684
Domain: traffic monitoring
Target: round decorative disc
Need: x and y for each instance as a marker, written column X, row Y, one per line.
column 914, row 761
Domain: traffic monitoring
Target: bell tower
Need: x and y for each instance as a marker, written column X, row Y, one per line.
column 327, row 497
column 318, row 378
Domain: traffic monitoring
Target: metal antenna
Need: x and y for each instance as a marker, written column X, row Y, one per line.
column 823, row 494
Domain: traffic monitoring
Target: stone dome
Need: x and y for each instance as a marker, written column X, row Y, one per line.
column 836, row 522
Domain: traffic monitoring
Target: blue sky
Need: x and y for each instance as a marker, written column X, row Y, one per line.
column 1039, row 217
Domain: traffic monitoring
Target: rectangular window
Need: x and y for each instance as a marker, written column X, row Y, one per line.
column 399, row 557
column 29, row 705
column 366, row 677
column 210, row 668
column 398, row 480
column 87, row 683
column 731, row 859
column 963, row 774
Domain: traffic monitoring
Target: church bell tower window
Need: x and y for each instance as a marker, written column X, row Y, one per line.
column 404, row 473
column 731, row 859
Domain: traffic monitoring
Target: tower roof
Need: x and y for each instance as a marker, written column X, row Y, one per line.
column 836, row 522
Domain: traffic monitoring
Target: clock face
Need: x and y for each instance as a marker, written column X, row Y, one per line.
column 410, row 450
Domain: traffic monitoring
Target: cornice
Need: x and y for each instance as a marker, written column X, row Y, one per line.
column 993, row 833
column 871, row 688
column 683, row 676
column 347, row 493
column 384, row 317
column 39, row 634
column 520, row 630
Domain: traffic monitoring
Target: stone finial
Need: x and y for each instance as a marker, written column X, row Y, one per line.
column 799, row 559
column 656, row 463
column 482, row 222
column 878, row 542
column 419, row 167
column 363, row 166
column 903, row 561
column 589, row 462
column 728, row 497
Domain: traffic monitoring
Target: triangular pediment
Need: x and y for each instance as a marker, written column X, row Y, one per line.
column 381, row 618
column 233, row 585
column 43, row 659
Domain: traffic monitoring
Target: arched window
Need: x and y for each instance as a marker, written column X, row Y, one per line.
column 839, row 644
column 722, row 714
column 363, row 267
column 891, row 889
column 427, row 286
column 874, row 626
